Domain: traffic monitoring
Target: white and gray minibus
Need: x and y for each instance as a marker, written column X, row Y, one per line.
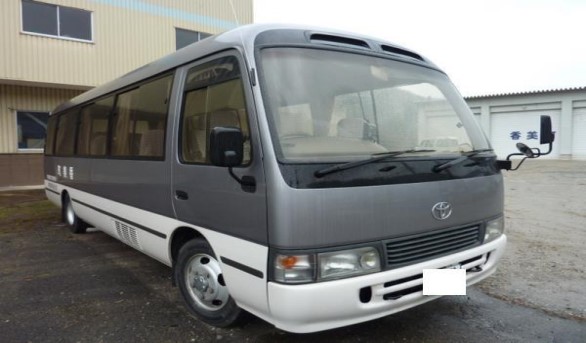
column 286, row 172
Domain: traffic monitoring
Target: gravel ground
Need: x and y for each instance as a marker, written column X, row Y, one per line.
column 544, row 265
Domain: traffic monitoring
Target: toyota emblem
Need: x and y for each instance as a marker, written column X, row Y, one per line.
column 441, row 210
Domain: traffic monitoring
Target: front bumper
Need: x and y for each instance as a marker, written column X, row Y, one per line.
column 327, row 305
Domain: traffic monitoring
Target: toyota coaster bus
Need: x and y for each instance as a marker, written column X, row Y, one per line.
column 286, row 172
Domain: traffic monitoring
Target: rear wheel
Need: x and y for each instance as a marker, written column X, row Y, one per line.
column 201, row 283
column 76, row 224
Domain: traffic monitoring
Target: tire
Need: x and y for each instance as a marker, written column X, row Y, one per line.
column 76, row 224
column 199, row 278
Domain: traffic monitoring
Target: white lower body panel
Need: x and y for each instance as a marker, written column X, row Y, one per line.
column 249, row 291
column 327, row 305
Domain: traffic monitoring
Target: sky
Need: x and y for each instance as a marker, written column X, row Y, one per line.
column 486, row 47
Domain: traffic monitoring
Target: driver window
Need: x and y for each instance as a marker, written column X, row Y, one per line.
column 213, row 97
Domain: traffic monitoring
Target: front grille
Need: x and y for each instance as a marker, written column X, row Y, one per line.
column 416, row 248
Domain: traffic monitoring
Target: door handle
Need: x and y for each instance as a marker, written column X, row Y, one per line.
column 181, row 195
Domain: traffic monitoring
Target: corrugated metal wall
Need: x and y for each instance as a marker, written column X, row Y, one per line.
column 20, row 98
column 126, row 34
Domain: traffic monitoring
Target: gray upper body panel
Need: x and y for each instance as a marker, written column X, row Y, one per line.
column 141, row 184
column 311, row 218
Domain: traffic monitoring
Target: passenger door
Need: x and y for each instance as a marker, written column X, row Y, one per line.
column 216, row 92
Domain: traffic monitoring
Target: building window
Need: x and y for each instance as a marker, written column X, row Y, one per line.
column 185, row 37
column 31, row 127
column 58, row 21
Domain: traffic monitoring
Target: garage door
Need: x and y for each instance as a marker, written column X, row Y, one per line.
column 508, row 129
column 579, row 134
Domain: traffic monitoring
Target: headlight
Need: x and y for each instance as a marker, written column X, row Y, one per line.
column 494, row 229
column 340, row 264
column 295, row 269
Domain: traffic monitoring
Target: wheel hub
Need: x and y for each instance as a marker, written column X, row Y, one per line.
column 70, row 214
column 201, row 283
column 202, row 278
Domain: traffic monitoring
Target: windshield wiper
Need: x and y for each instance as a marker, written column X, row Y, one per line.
column 373, row 158
column 460, row 159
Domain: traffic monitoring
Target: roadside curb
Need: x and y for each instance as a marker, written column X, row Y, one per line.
column 20, row 188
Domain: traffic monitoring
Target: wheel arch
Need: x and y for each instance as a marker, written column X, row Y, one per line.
column 179, row 237
column 64, row 195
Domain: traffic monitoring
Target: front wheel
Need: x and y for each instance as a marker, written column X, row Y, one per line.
column 201, row 283
column 76, row 224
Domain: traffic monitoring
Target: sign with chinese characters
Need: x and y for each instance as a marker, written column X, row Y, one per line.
column 516, row 135
column 65, row 172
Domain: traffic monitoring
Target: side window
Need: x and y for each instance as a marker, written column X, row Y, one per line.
column 123, row 124
column 65, row 140
column 214, row 96
column 93, row 128
column 138, row 127
column 50, row 141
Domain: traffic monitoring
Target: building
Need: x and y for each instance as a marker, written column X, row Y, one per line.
column 511, row 118
column 52, row 50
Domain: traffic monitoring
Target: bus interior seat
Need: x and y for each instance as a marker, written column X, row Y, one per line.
column 98, row 144
column 151, row 143
column 351, row 128
column 196, row 133
column 295, row 126
column 195, row 136
column 226, row 117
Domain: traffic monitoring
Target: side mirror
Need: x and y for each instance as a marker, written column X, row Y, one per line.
column 226, row 147
column 546, row 136
column 525, row 150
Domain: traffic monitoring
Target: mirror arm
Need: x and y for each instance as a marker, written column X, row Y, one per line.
column 520, row 163
column 548, row 151
column 248, row 183
column 514, row 154
column 234, row 176
column 537, row 152
column 231, row 171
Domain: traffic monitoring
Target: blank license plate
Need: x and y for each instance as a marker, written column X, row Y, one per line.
column 444, row 282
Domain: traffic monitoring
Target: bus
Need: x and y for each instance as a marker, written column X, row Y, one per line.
column 278, row 170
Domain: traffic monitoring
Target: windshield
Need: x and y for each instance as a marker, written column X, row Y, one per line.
column 328, row 106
